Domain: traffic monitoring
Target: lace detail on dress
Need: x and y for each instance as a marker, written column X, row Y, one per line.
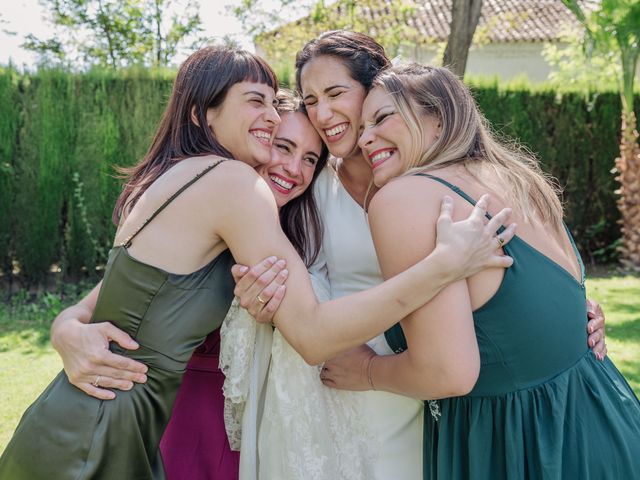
column 434, row 409
column 307, row 431
column 237, row 342
column 320, row 432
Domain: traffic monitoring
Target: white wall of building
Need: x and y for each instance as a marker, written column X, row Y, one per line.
column 506, row 60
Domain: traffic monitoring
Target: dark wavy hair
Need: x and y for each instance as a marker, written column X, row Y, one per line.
column 299, row 218
column 361, row 54
column 202, row 82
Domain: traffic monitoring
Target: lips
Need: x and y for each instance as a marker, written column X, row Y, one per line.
column 336, row 132
column 282, row 184
column 378, row 157
column 263, row 135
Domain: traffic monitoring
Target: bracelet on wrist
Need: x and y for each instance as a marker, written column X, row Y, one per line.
column 369, row 374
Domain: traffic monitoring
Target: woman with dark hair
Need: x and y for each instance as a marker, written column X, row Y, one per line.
column 195, row 443
column 167, row 282
column 334, row 72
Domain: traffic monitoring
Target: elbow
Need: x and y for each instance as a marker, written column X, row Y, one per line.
column 309, row 350
column 464, row 382
column 451, row 381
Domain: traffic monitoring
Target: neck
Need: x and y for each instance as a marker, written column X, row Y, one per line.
column 355, row 175
column 356, row 171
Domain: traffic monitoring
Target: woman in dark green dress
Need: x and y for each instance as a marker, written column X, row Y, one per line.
column 514, row 391
column 167, row 284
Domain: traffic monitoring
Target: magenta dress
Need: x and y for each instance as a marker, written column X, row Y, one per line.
column 195, row 445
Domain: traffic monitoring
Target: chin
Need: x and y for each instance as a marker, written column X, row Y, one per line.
column 380, row 181
column 342, row 150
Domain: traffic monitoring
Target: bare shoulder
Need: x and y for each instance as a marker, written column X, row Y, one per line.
column 230, row 178
column 410, row 194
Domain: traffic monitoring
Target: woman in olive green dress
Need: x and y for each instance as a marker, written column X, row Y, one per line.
column 513, row 390
column 182, row 214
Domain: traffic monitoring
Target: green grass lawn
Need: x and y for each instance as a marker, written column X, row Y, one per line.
column 28, row 363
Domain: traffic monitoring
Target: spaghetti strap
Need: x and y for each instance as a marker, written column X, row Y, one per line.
column 459, row 191
column 129, row 239
column 576, row 253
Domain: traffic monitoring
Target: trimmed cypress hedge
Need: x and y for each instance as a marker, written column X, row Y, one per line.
column 62, row 134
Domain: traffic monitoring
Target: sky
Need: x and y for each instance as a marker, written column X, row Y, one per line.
column 27, row 16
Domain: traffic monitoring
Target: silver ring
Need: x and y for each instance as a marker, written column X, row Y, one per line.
column 261, row 300
column 96, row 381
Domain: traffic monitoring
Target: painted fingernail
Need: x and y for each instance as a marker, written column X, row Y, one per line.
column 272, row 259
column 244, row 269
column 284, row 273
column 280, row 263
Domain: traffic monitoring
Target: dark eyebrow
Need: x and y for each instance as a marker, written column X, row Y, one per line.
column 253, row 92
column 375, row 114
column 311, row 152
column 286, row 140
column 327, row 90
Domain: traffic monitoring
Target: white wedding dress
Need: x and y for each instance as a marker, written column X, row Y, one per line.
column 306, row 431
column 352, row 266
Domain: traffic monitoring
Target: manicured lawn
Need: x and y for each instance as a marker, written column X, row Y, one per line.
column 28, row 363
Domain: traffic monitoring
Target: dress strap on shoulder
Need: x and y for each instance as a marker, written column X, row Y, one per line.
column 457, row 190
column 576, row 253
column 451, row 186
column 129, row 239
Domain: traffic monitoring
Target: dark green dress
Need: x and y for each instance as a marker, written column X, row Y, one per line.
column 543, row 407
column 66, row 434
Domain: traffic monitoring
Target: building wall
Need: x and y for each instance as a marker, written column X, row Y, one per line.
column 506, row 60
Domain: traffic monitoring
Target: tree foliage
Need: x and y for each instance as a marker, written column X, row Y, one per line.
column 117, row 33
column 303, row 20
column 615, row 26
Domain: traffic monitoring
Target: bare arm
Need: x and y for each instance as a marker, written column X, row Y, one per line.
column 442, row 359
column 84, row 349
column 249, row 226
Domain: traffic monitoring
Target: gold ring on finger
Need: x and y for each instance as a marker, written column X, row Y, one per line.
column 500, row 241
column 96, row 382
column 261, row 300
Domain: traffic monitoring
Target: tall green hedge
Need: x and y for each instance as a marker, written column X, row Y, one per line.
column 61, row 135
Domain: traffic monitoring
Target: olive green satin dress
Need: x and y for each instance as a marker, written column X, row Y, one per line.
column 67, row 434
column 543, row 407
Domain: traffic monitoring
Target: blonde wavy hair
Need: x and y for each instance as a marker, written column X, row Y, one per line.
column 466, row 139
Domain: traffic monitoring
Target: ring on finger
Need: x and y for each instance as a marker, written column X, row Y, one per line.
column 96, row 382
column 260, row 299
column 500, row 241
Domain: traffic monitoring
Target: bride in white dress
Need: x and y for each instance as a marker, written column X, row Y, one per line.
column 362, row 435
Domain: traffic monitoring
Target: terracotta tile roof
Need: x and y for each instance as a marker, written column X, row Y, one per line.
column 501, row 21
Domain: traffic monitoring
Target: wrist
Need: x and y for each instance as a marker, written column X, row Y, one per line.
column 442, row 266
column 60, row 330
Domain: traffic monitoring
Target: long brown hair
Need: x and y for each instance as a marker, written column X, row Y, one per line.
column 299, row 217
column 466, row 139
column 202, row 82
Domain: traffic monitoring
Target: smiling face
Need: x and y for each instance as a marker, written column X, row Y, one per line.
column 295, row 152
column 386, row 140
column 334, row 103
column 245, row 121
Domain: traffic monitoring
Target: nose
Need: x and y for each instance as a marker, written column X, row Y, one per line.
column 272, row 116
column 366, row 138
column 323, row 111
column 293, row 166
